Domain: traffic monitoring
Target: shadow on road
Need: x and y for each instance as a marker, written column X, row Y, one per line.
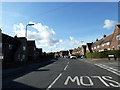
column 8, row 83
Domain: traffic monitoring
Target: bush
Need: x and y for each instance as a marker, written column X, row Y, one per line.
column 103, row 54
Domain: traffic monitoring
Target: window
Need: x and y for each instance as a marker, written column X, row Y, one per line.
column 102, row 44
column 23, row 56
column 108, row 43
column 98, row 46
column 118, row 37
column 18, row 56
column 34, row 48
column 24, row 48
column 94, row 47
column 118, row 47
column 0, row 45
column 10, row 47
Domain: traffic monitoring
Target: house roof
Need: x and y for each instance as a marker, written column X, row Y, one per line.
column 9, row 39
column 103, row 40
column 118, row 26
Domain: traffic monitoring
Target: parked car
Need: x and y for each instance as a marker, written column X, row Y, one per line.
column 73, row 57
column 82, row 57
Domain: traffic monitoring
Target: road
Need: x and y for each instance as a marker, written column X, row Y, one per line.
column 68, row 73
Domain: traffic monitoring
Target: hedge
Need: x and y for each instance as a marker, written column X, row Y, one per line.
column 103, row 54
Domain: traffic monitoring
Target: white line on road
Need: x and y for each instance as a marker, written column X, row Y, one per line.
column 108, row 69
column 65, row 67
column 54, row 82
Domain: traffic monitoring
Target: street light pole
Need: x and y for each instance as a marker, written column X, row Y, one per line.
column 26, row 29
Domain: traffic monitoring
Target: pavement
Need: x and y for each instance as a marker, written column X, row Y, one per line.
column 15, row 71
column 67, row 74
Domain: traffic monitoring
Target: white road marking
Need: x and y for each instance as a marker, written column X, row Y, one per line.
column 72, row 80
column 65, row 67
column 82, row 81
column 79, row 80
column 108, row 69
column 114, row 83
column 101, row 80
column 54, row 81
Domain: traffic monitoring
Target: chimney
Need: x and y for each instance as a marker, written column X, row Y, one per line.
column 104, row 36
column 96, row 39
column 15, row 36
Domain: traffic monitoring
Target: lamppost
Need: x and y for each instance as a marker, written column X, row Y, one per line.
column 26, row 42
column 26, row 29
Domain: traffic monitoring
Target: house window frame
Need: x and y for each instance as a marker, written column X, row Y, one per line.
column 10, row 46
column 113, row 47
column 118, row 37
column 118, row 47
column 0, row 45
column 24, row 48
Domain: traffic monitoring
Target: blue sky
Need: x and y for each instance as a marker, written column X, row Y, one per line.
column 60, row 25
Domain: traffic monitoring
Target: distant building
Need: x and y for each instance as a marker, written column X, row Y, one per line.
column 64, row 53
column 76, row 50
column 57, row 54
column 38, row 53
column 70, row 52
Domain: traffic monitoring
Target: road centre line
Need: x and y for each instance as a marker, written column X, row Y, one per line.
column 65, row 67
column 108, row 69
column 54, row 81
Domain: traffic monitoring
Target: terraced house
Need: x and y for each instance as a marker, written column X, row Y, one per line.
column 110, row 42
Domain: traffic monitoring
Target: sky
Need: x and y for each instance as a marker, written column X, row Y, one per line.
column 59, row 25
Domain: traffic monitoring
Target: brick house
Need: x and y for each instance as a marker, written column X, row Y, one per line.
column 21, row 55
column 31, row 50
column 9, row 47
column 115, row 43
column 38, row 53
column 110, row 42
column 83, row 50
column 88, row 47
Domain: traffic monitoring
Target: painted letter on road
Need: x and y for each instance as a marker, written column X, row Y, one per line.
column 108, row 78
column 82, row 81
column 69, row 79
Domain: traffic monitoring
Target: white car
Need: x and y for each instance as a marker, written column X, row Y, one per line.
column 73, row 57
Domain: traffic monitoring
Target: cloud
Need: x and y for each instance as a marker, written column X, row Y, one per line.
column 71, row 38
column 43, row 35
column 109, row 24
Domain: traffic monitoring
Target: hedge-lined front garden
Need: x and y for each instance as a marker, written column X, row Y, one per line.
column 103, row 54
